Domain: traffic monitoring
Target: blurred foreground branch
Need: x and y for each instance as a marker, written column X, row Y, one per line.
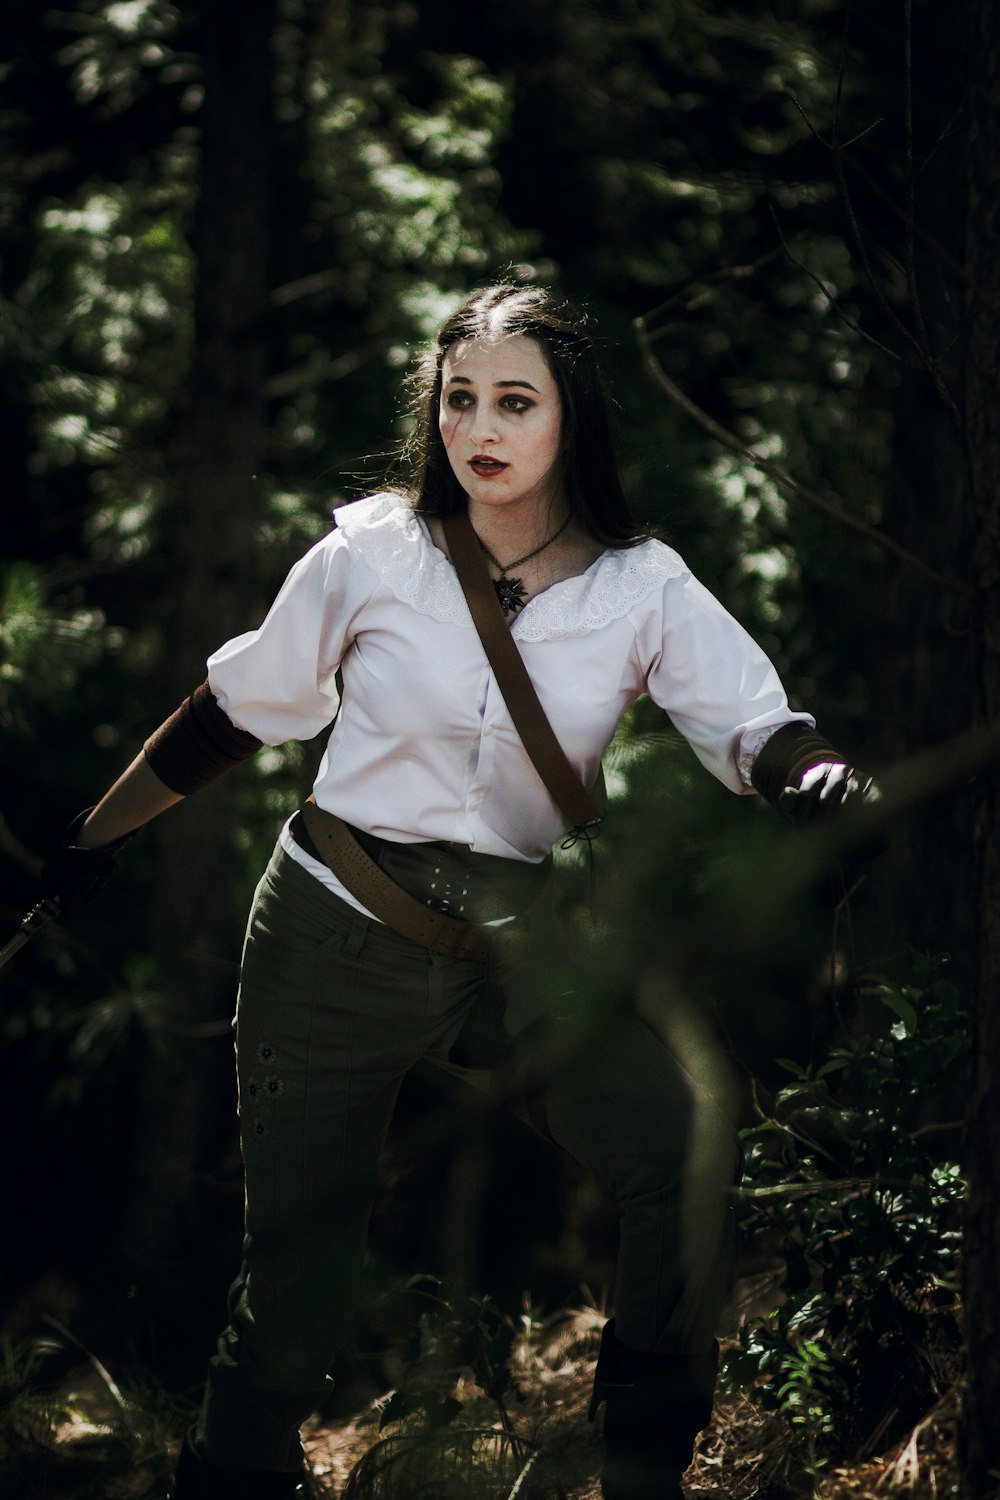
column 804, row 854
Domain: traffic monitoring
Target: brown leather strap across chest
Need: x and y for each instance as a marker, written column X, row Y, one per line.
column 354, row 867
column 563, row 785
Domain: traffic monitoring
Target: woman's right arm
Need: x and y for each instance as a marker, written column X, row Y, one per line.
column 191, row 748
column 195, row 745
column 136, row 797
column 279, row 679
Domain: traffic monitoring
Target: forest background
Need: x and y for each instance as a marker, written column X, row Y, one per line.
column 226, row 230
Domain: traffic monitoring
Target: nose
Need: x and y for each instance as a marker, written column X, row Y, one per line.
column 484, row 428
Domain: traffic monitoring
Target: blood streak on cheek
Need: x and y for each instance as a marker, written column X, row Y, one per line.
column 449, row 432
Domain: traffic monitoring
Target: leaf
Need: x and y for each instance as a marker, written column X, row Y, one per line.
column 902, row 1008
column 442, row 1413
column 420, row 1281
column 836, row 1064
column 774, row 1126
column 400, row 1405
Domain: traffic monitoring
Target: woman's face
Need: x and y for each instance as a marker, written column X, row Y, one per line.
column 501, row 421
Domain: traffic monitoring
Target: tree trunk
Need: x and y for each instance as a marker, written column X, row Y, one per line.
column 981, row 1432
column 185, row 1098
column 921, row 892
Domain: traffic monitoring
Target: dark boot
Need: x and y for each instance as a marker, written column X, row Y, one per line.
column 655, row 1406
column 195, row 1479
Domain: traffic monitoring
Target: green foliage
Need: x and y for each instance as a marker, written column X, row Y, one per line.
column 433, row 1452
column 460, row 1332
column 70, row 1428
column 21, row 1362
column 668, row 154
column 843, row 1181
column 43, row 650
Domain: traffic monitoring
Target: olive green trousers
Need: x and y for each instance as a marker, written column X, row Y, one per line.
column 333, row 1011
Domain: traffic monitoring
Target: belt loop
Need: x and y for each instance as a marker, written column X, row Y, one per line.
column 357, row 936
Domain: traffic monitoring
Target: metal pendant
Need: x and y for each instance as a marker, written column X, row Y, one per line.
column 511, row 594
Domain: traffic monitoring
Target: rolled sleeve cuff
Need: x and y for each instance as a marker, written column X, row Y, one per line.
column 786, row 756
column 197, row 743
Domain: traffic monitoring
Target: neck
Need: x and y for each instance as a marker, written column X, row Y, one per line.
column 510, row 530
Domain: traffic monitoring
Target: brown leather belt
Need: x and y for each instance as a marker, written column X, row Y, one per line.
column 367, row 883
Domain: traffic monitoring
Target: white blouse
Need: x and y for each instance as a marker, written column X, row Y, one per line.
column 423, row 747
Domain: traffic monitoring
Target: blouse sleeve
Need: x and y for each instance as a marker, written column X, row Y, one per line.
column 717, row 685
column 279, row 682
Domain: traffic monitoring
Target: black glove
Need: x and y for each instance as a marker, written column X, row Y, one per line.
column 72, row 874
column 824, row 788
column 827, row 787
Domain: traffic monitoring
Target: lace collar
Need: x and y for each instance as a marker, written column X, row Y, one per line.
column 384, row 532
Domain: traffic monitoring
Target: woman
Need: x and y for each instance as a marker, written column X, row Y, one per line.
column 424, row 763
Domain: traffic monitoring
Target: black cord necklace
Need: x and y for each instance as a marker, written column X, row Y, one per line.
column 511, row 591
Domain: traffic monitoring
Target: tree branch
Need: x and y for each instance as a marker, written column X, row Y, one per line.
column 790, row 1191
column 721, row 273
column 836, row 511
column 821, row 284
column 917, row 336
column 910, row 218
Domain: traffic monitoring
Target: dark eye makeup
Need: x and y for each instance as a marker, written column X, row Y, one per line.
column 461, row 400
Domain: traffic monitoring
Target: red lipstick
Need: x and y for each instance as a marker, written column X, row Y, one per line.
column 486, row 467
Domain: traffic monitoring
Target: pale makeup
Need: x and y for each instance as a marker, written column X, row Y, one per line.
column 500, row 419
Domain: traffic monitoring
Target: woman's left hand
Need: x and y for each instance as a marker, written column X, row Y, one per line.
column 827, row 787
column 824, row 788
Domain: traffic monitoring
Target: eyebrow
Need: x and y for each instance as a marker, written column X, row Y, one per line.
column 499, row 384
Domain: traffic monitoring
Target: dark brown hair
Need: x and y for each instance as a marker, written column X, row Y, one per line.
column 592, row 481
